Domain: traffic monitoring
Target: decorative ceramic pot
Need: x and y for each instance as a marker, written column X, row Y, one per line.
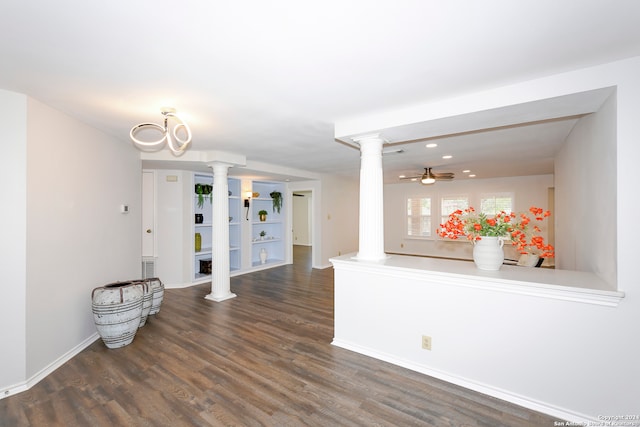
column 147, row 302
column 488, row 253
column 263, row 256
column 117, row 310
column 158, row 294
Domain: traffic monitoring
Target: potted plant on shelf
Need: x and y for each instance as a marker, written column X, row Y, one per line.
column 204, row 192
column 262, row 214
column 262, row 234
column 277, row 200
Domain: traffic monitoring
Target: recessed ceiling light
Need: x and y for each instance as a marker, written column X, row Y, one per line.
column 448, row 156
column 473, row 175
column 414, row 179
column 402, row 176
column 466, row 171
column 431, row 145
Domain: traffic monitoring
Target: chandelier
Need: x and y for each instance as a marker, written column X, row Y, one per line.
column 176, row 144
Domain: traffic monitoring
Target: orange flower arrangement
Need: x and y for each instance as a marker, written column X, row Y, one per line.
column 466, row 223
column 523, row 237
column 473, row 227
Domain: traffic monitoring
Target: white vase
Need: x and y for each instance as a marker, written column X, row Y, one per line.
column 488, row 253
column 263, row 256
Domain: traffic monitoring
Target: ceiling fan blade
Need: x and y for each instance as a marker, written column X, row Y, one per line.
column 429, row 177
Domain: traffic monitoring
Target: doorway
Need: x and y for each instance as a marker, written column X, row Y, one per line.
column 302, row 222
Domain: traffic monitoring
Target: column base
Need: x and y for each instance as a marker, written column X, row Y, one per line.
column 220, row 298
column 373, row 258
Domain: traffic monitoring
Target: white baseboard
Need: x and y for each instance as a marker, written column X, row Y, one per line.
column 20, row 387
column 561, row 413
column 323, row 266
column 186, row 285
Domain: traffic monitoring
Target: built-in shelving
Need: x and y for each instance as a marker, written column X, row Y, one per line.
column 235, row 229
column 273, row 227
column 245, row 242
column 202, row 205
column 206, row 231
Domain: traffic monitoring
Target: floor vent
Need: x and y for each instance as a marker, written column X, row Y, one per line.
column 148, row 268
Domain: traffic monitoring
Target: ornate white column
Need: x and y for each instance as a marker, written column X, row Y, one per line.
column 220, row 279
column 371, row 230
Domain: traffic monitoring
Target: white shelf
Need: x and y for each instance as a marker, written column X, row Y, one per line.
column 277, row 239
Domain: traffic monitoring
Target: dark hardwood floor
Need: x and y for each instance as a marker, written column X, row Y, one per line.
column 261, row 359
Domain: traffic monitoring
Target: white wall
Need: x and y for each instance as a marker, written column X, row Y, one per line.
column 575, row 358
column 528, row 191
column 77, row 239
column 13, row 251
column 585, row 200
column 339, row 217
column 64, row 182
column 335, row 216
column 568, row 359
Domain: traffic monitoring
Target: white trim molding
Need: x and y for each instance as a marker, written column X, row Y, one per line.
column 26, row 385
column 565, row 285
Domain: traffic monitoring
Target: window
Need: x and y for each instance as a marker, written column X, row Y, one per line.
column 419, row 217
column 491, row 204
column 450, row 204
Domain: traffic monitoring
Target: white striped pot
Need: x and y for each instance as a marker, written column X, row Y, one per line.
column 158, row 294
column 147, row 301
column 117, row 309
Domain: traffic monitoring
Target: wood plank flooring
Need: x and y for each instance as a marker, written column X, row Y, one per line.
column 261, row 359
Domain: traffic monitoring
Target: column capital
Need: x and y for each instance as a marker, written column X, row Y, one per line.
column 220, row 165
column 371, row 137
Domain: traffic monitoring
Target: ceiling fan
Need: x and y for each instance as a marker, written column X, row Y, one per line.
column 429, row 177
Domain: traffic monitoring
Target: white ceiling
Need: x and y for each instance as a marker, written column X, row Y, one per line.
column 269, row 78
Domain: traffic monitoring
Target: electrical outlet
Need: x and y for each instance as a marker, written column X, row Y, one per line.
column 426, row 342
